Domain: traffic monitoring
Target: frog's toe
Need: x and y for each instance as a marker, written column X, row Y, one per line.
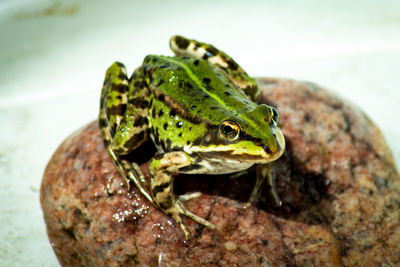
column 189, row 196
column 177, row 210
column 184, row 211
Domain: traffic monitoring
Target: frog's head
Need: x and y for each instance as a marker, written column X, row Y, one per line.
column 249, row 137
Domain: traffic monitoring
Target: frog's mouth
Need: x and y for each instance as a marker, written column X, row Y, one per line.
column 279, row 147
column 251, row 151
column 268, row 153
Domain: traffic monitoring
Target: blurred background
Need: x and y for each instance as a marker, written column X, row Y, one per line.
column 54, row 54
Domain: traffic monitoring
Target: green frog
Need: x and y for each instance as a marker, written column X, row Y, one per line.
column 199, row 109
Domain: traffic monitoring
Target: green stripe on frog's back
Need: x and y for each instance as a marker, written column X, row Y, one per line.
column 188, row 47
column 200, row 88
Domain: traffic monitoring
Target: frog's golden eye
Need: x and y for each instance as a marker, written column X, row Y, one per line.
column 229, row 130
column 274, row 115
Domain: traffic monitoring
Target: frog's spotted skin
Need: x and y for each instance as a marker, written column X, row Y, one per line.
column 196, row 109
column 186, row 47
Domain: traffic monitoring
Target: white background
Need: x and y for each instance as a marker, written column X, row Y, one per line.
column 53, row 56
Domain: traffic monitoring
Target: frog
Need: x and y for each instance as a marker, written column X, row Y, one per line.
column 200, row 110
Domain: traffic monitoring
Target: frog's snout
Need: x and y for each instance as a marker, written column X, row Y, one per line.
column 277, row 149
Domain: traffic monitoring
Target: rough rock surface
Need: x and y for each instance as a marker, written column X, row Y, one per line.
column 337, row 178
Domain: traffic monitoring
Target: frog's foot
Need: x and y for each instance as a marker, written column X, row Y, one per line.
column 177, row 210
column 272, row 187
column 264, row 171
column 133, row 173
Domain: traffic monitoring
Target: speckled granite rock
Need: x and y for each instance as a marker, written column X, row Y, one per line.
column 337, row 178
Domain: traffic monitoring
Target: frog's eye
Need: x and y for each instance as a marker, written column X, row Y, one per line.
column 274, row 115
column 228, row 130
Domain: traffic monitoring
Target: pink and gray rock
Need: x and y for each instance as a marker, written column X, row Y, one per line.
column 337, row 178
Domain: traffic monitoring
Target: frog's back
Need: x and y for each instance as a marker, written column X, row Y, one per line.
column 197, row 86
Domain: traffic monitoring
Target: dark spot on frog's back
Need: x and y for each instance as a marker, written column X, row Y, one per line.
column 188, row 85
column 206, row 80
column 119, row 64
column 140, row 102
column 118, row 109
column 121, row 88
column 212, row 50
column 140, row 84
column 165, row 126
column 206, row 56
column 179, row 124
column 181, row 42
column 161, row 97
column 196, row 62
column 172, row 113
column 232, row 65
column 122, row 76
column 139, row 121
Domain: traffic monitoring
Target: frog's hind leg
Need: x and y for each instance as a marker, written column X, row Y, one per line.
column 113, row 100
column 182, row 46
column 118, row 123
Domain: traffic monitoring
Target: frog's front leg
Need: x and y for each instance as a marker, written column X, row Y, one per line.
column 182, row 46
column 162, row 167
column 264, row 171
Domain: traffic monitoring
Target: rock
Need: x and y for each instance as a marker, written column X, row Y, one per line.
column 337, row 179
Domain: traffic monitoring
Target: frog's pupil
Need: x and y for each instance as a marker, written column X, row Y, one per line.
column 227, row 129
